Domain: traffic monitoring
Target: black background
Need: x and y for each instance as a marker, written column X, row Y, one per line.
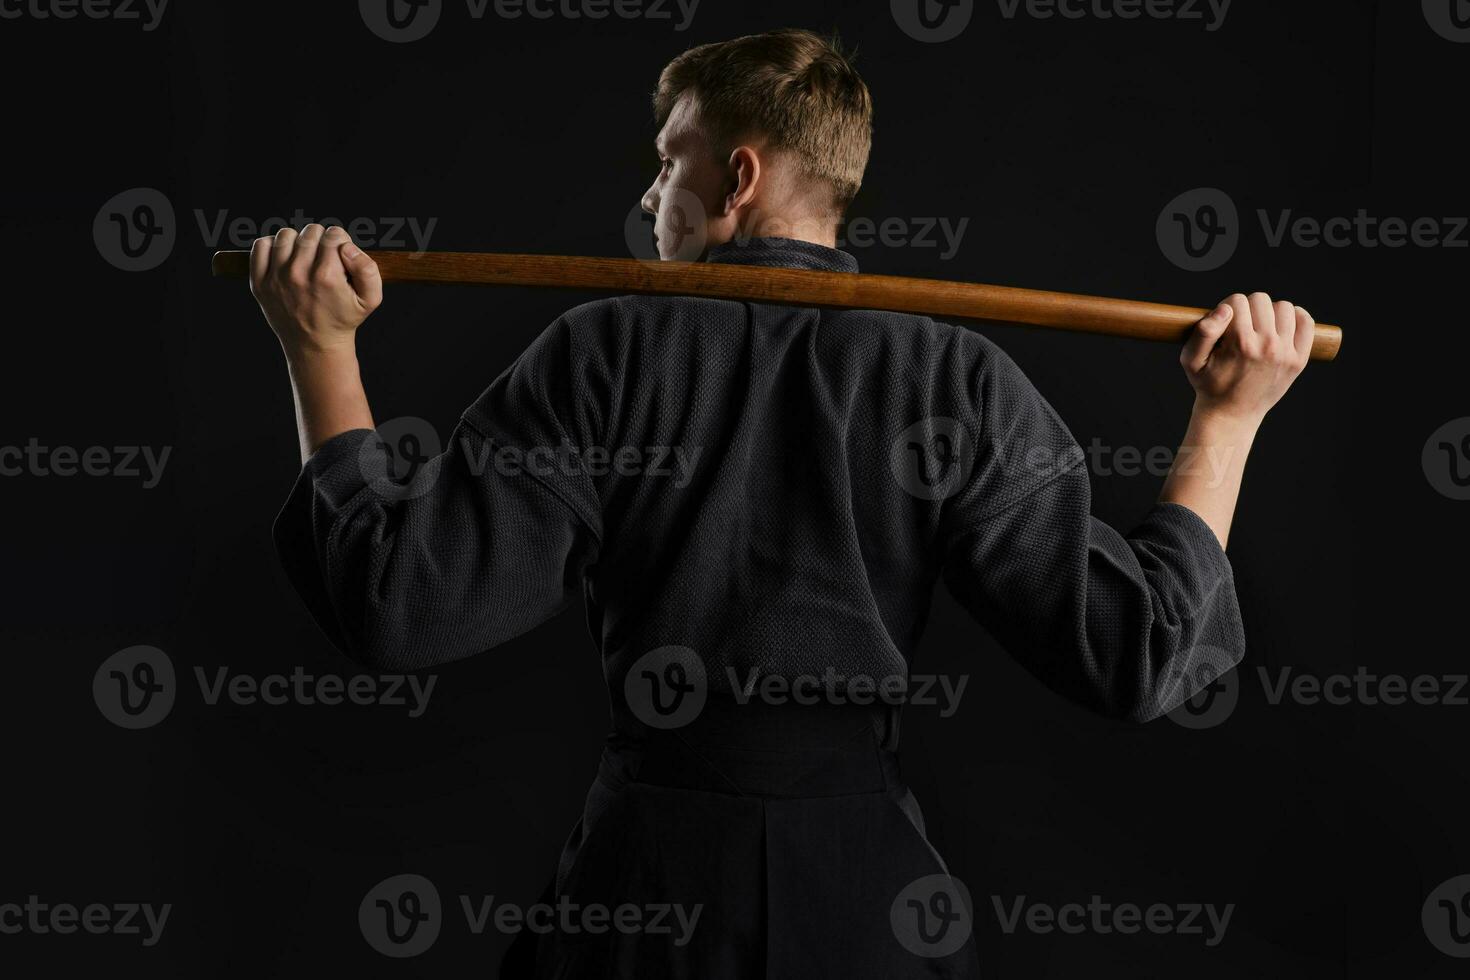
column 1060, row 140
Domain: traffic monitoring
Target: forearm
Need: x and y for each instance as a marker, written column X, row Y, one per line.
column 1209, row 468
column 330, row 399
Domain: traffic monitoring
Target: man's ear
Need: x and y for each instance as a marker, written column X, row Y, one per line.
column 746, row 172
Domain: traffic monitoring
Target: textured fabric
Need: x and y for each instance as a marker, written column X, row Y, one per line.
column 787, row 837
column 774, row 491
column 793, row 543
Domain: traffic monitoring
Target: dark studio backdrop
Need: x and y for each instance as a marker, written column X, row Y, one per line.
column 1060, row 144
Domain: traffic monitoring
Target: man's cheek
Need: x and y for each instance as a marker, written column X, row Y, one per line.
column 682, row 231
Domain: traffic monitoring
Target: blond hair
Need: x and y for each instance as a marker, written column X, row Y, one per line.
column 796, row 88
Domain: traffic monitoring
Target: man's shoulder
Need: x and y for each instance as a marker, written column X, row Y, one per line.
column 936, row 342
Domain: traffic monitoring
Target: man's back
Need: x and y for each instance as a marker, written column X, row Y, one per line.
column 775, row 489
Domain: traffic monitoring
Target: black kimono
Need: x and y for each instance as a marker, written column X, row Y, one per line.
column 744, row 493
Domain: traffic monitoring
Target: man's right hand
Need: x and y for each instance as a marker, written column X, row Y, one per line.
column 1243, row 356
column 315, row 288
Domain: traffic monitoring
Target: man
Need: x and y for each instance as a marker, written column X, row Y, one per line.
column 845, row 461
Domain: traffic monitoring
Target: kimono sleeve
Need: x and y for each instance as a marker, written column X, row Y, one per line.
column 1129, row 625
column 475, row 549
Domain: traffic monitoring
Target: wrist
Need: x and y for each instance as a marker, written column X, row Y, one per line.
column 1225, row 420
column 306, row 352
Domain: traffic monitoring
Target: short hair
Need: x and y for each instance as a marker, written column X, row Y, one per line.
column 797, row 88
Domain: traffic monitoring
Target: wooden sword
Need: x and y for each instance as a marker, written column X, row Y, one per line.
column 799, row 287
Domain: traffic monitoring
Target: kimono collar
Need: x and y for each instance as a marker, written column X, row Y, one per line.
column 785, row 252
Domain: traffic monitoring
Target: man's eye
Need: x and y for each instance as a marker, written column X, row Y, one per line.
column 667, row 164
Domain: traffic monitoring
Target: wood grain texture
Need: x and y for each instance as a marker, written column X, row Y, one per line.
column 798, row 287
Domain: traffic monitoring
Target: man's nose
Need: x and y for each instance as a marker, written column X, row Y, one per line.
column 650, row 201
